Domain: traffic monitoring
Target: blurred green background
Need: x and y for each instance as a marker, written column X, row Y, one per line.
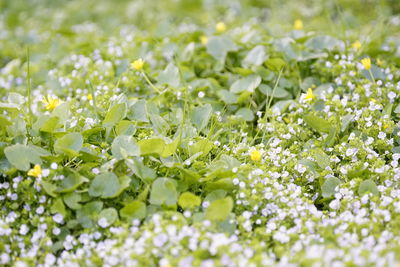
column 22, row 21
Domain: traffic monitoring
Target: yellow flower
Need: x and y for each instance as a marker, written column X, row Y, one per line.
column 366, row 63
column 255, row 155
column 379, row 62
column 36, row 171
column 137, row 64
column 298, row 24
column 309, row 95
column 220, row 27
column 89, row 97
column 50, row 103
column 204, row 39
column 385, row 126
column 356, row 45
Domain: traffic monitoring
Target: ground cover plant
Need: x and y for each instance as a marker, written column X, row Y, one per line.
column 199, row 133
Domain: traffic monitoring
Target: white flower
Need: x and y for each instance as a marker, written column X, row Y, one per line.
column 23, row 229
column 58, row 218
column 103, row 223
column 54, row 166
column 335, row 204
column 382, row 135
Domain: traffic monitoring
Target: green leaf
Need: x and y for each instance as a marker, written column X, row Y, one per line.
column 321, row 158
column 124, row 146
column 214, row 195
column 157, row 146
column 133, row 210
column 376, row 72
column 255, row 56
column 125, row 182
column 189, row 200
column 311, row 165
column 143, row 172
column 69, row 144
column 397, row 109
column 200, row 116
column 125, row 127
column 71, row 182
column 249, row 84
column 170, row 76
column 245, row 113
column 22, row 156
column 50, row 125
column 115, row 115
column 105, row 185
column 58, row 207
column 346, row 120
column 163, row 192
column 228, row 97
column 4, row 121
column 278, row 93
column 49, row 188
column 110, row 214
column 204, row 146
column 219, row 46
column 330, row 139
column 220, row 209
column 368, row 186
column 323, row 42
column 62, row 111
column 72, row 200
column 138, row 111
column 318, row 124
column 88, row 213
column 328, row 188
column 275, row 64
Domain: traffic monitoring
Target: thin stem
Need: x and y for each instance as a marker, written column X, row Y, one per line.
column 270, row 100
column 372, row 76
column 273, row 91
column 29, row 86
column 92, row 92
column 150, row 83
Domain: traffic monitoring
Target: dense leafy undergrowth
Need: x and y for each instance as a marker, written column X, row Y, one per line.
column 199, row 133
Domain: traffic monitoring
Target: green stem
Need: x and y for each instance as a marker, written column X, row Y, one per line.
column 92, row 92
column 372, row 76
column 150, row 83
column 29, row 87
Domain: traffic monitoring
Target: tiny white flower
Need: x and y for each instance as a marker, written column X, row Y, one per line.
column 103, row 223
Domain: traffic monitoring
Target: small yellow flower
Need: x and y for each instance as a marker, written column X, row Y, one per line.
column 298, row 24
column 138, row 64
column 204, row 39
column 379, row 62
column 51, row 103
column 220, row 27
column 385, row 126
column 309, row 95
column 366, row 63
column 356, row 45
column 36, row 171
column 255, row 155
column 89, row 97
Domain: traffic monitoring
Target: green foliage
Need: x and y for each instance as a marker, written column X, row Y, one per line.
column 21, row 156
column 70, row 144
column 219, row 209
column 188, row 200
column 164, row 192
